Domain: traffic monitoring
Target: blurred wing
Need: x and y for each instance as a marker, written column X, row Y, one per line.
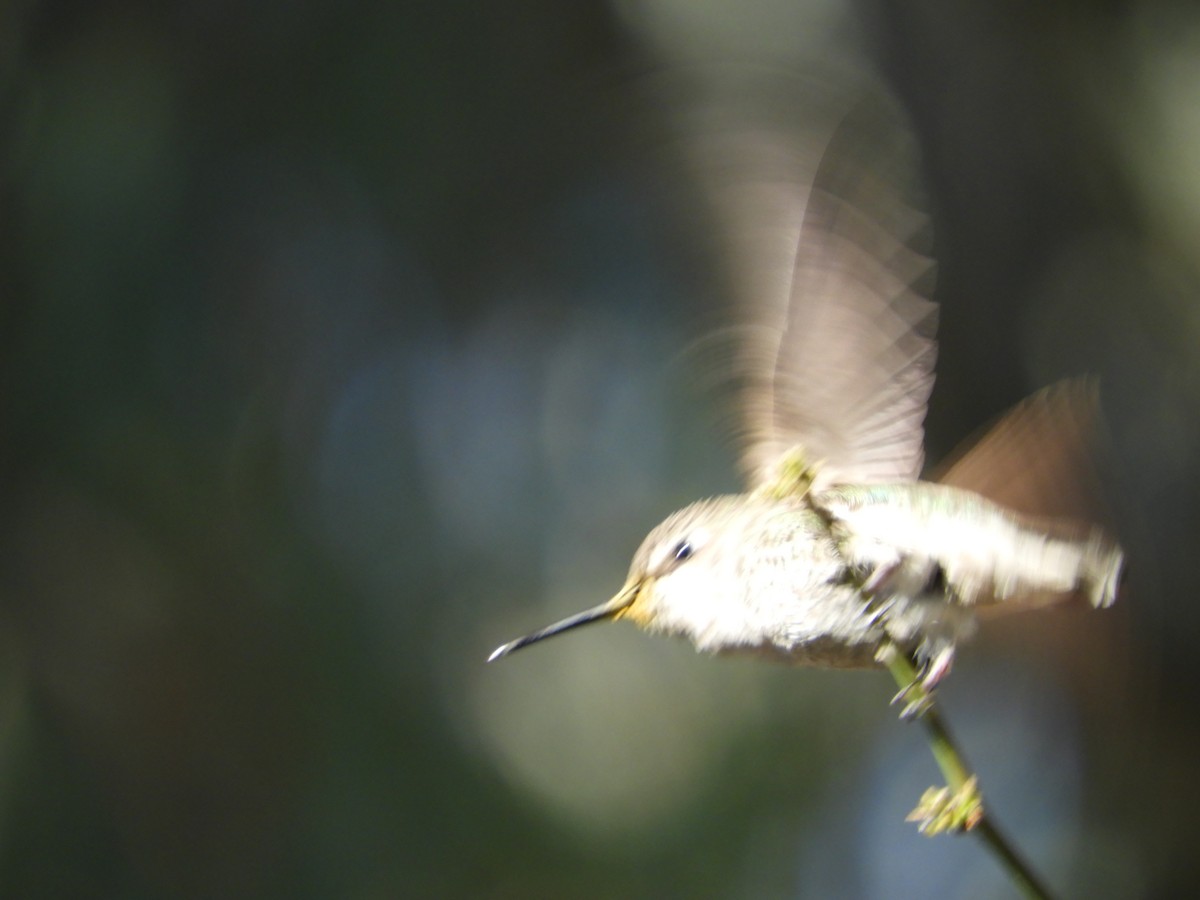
column 1038, row 459
column 834, row 350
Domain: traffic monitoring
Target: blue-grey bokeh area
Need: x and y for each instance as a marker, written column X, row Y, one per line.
column 341, row 342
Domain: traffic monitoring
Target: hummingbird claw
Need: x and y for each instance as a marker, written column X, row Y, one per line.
column 917, row 701
column 880, row 579
column 936, row 667
column 918, row 695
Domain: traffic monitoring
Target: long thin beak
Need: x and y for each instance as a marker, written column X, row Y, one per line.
column 609, row 610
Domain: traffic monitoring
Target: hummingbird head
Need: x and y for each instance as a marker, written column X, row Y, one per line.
column 685, row 578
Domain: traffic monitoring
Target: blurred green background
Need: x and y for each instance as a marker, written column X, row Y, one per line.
column 340, row 342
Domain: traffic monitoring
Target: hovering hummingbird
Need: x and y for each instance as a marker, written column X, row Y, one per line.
column 837, row 547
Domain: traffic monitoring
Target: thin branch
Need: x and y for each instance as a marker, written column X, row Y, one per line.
column 960, row 805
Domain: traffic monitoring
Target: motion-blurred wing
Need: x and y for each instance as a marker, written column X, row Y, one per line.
column 834, row 346
column 1038, row 458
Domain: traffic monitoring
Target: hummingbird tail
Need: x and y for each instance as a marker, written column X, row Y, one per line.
column 1103, row 570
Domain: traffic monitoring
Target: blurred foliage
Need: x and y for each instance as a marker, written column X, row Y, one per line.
column 338, row 343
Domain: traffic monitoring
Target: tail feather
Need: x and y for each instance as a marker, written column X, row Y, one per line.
column 1104, row 564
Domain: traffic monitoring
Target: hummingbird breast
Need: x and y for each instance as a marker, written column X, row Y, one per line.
column 806, row 595
column 766, row 576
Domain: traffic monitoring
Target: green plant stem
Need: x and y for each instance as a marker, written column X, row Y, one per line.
column 957, row 773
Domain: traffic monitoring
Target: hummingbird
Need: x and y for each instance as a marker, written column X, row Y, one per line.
column 837, row 546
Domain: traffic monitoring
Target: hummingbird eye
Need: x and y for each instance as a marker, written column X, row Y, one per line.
column 683, row 550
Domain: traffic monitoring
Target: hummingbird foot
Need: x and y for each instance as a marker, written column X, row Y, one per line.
column 935, row 667
column 918, row 695
column 917, row 701
column 941, row 810
column 881, row 579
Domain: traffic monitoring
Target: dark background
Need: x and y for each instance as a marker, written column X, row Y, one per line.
column 340, row 342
